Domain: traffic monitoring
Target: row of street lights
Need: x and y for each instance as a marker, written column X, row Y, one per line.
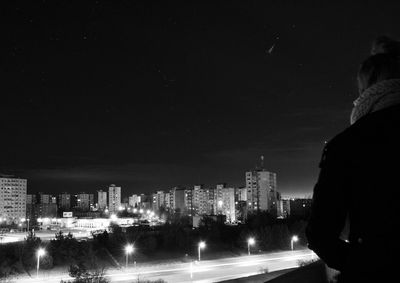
column 250, row 242
column 129, row 249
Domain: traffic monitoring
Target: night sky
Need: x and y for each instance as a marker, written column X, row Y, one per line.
column 149, row 95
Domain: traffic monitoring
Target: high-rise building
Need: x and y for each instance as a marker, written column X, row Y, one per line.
column 91, row 202
column 114, row 198
column 85, row 201
column 188, row 201
column 64, row 201
column 177, row 200
column 145, row 201
column 158, row 200
column 30, row 199
column 284, row 207
column 45, row 210
column 167, row 201
column 224, row 203
column 203, row 200
column 228, row 204
column 134, row 200
column 241, row 194
column 44, row 198
column 74, row 201
column 12, row 198
column 261, row 190
column 101, row 200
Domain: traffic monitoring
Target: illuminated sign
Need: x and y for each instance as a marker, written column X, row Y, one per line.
column 67, row 214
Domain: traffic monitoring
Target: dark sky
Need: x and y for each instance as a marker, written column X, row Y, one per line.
column 148, row 95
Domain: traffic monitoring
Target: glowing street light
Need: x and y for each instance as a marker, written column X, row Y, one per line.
column 294, row 239
column 250, row 242
column 40, row 252
column 113, row 217
column 202, row 245
column 128, row 251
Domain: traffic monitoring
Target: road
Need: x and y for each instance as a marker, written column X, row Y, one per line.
column 44, row 235
column 206, row 271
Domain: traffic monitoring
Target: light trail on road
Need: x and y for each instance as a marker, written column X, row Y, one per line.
column 206, row 271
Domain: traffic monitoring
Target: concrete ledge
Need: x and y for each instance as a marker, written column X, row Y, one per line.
column 311, row 273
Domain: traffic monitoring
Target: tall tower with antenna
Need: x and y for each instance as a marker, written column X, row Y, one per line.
column 261, row 189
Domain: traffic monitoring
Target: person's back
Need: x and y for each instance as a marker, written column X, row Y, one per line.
column 360, row 179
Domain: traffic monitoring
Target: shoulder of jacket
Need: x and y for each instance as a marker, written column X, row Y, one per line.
column 343, row 139
column 339, row 146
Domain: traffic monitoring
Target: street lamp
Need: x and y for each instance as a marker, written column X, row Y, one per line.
column 202, row 245
column 28, row 223
column 40, row 252
column 250, row 242
column 128, row 251
column 294, row 239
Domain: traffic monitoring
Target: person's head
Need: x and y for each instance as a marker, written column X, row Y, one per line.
column 383, row 64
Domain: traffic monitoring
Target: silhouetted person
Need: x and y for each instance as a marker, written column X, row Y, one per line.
column 359, row 179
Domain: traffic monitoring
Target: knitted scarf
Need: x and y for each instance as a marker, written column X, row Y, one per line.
column 379, row 96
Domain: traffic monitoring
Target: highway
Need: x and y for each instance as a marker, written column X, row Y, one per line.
column 44, row 235
column 206, row 271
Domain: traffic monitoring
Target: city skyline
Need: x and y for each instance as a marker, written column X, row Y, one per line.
column 128, row 192
column 155, row 96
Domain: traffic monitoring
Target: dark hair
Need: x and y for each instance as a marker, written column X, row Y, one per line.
column 383, row 64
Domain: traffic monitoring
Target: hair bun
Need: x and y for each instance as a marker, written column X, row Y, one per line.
column 387, row 45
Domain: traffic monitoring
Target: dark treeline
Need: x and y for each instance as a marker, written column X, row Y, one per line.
column 175, row 239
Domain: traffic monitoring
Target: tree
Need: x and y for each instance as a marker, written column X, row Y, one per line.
column 65, row 248
column 27, row 251
column 265, row 238
column 280, row 236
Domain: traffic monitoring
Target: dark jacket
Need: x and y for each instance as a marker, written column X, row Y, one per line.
column 360, row 180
